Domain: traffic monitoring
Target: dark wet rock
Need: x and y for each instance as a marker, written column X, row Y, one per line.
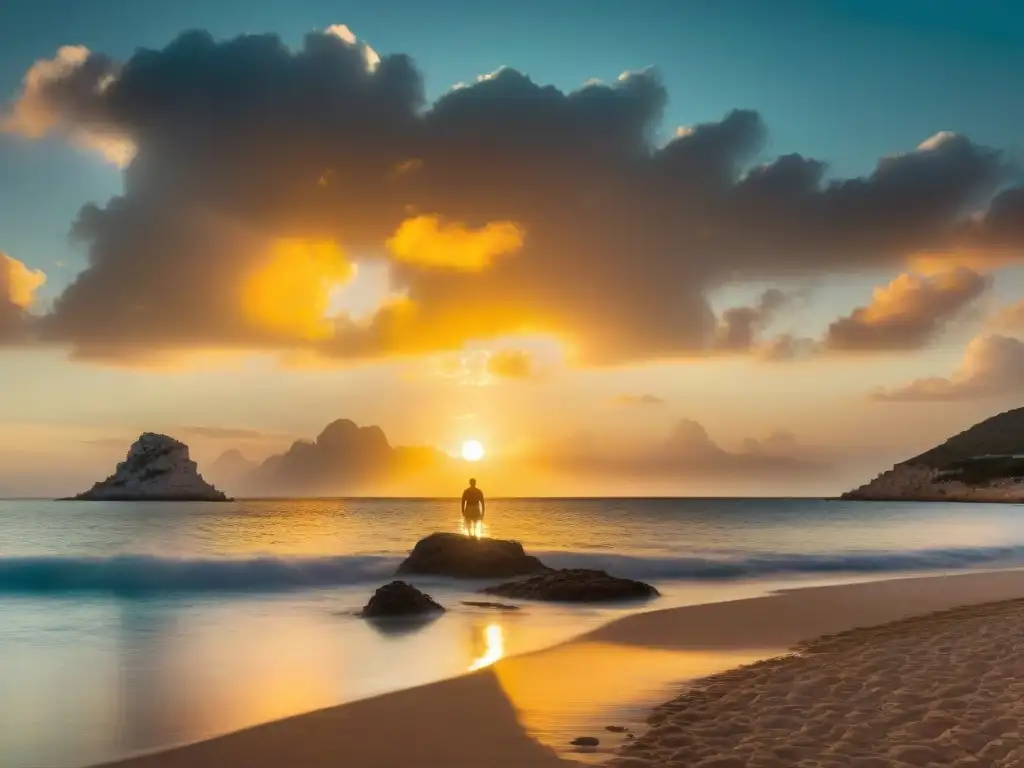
column 463, row 557
column 615, row 728
column 574, row 585
column 494, row 606
column 585, row 741
column 400, row 599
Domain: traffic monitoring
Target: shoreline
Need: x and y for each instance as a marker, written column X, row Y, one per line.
column 474, row 719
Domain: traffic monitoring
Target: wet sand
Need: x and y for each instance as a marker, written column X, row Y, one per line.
column 484, row 719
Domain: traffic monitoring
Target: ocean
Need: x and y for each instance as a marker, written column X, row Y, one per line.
column 126, row 628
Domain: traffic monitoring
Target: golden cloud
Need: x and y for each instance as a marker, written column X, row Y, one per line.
column 511, row 364
column 908, row 312
column 18, row 283
column 426, row 241
column 290, row 293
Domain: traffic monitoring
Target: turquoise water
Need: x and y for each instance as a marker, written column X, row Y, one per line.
column 131, row 627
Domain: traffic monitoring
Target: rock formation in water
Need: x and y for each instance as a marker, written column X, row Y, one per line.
column 574, row 585
column 983, row 463
column 463, row 557
column 157, row 468
column 400, row 599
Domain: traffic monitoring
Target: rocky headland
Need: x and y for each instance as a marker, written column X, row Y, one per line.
column 157, row 468
column 983, row 463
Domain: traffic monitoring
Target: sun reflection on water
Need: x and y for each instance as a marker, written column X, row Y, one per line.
column 473, row 528
column 494, row 647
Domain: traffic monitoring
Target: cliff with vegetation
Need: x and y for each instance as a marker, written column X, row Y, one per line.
column 983, row 463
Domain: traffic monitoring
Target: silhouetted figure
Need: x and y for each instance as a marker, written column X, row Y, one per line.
column 473, row 508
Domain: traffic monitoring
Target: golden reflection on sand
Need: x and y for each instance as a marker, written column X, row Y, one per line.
column 211, row 685
column 493, row 647
column 580, row 688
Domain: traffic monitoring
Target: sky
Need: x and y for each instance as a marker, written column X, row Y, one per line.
column 659, row 247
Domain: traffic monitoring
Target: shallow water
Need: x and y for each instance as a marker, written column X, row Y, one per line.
column 127, row 627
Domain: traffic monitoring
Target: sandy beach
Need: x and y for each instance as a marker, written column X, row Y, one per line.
column 944, row 689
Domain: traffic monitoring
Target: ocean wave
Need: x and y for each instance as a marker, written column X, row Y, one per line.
column 149, row 574
column 128, row 574
column 752, row 565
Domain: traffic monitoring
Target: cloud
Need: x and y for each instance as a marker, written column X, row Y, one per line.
column 371, row 58
column 688, row 451
column 907, row 313
column 738, row 327
column 61, row 96
column 1008, row 319
column 991, row 366
column 426, row 241
column 227, row 433
column 290, row 292
column 781, row 442
column 241, row 144
column 112, row 444
column 1000, row 228
column 788, row 347
column 18, row 286
column 639, row 400
column 511, row 364
column 483, row 367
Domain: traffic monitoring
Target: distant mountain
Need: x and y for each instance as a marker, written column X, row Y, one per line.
column 983, row 463
column 346, row 459
column 230, row 468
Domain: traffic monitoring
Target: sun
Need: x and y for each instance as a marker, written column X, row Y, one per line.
column 472, row 450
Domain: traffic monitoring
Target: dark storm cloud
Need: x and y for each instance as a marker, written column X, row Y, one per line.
column 1002, row 225
column 238, row 143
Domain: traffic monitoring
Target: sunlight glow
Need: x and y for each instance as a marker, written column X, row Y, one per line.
column 291, row 292
column 472, row 450
column 473, row 528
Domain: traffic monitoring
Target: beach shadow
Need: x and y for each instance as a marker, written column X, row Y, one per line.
column 465, row 722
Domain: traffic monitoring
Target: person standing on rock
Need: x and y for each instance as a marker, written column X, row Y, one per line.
column 473, row 509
